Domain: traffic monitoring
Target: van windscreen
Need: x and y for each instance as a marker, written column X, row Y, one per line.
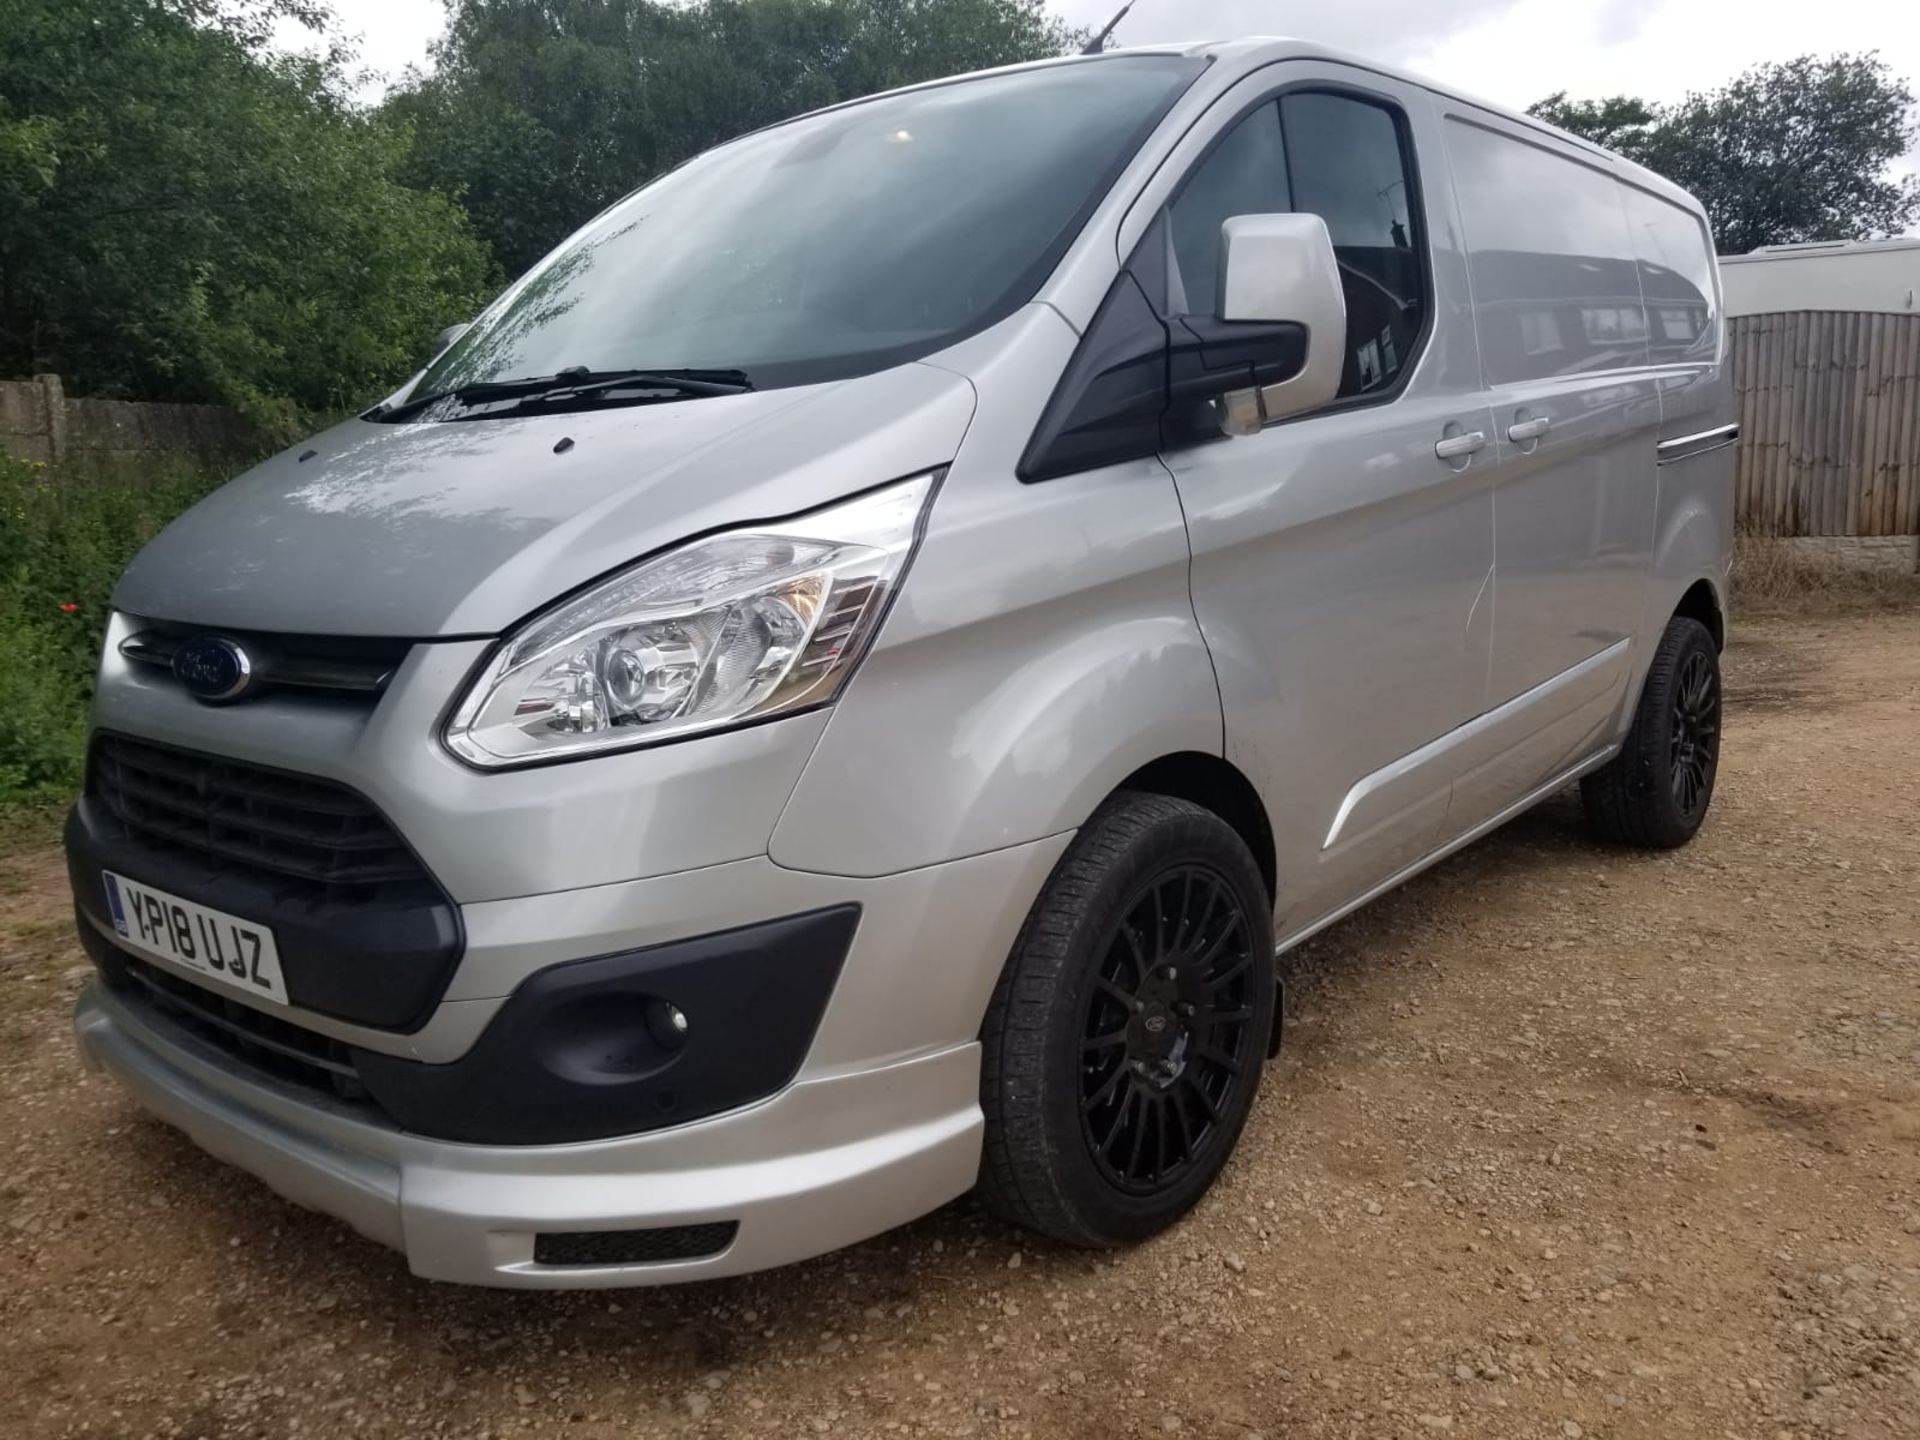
column 837, row 244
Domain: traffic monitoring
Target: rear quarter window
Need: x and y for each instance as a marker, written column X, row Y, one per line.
column 1676, row 277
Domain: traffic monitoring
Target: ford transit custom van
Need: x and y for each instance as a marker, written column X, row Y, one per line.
column 837, row 688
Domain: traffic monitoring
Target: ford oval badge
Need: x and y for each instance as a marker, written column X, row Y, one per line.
column 215, row 669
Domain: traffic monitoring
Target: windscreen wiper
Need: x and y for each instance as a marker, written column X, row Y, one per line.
column 568, row 384
column 477, row 390
column 685, row 382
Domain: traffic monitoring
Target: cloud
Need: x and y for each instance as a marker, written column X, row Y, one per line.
column 1618, row 22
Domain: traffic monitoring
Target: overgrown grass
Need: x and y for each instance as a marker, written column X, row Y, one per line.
column 1771, row 576
column 64, row 539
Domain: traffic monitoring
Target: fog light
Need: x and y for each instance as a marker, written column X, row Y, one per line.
column 668, row 1024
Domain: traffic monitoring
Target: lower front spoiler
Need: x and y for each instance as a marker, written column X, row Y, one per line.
column 823, row 1164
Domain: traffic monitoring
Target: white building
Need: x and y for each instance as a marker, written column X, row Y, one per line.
column 1863, row 275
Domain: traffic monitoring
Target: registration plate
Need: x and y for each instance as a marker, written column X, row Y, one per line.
column 226, row 949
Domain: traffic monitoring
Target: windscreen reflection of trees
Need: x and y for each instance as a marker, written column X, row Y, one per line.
column 537, row 114
column 834, row 245
column 543, row 299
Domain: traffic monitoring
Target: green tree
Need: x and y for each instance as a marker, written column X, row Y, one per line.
column 541, row 112
column 187, row 214
column 1799, row 150
column 1619, row 122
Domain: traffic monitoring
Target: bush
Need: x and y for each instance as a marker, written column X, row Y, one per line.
column 187, row 213
column 64, row 539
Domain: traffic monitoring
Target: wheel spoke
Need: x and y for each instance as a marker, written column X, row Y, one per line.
column 1215, row 1056
column 1180, row 1123
column 1104, row 1042
column 1100, row 1097
column 1232, row 972
column 1227, row 932
column 1127, row 1102
column 1115, row 992
column 1214, row 893
column 1131, row 1168
column 1188, row 1079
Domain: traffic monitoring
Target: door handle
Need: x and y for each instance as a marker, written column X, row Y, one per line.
column 1523, row 430
column 1455, row 447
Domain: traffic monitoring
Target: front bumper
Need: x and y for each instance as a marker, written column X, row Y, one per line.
column 881, row 1125
column 825, row 1163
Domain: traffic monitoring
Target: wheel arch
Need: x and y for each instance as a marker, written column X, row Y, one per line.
column 1702, row 602
column 1217, row 785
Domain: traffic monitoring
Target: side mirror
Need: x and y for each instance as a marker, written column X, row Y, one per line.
column 1145, row 378
column 1280, row 269
column 447, row 336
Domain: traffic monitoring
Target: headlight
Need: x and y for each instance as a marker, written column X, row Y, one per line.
column 738, row 626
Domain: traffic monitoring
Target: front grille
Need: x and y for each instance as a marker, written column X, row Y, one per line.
column 310, row 838
column 263, row 1042
column 634, row 1247
column 346, row 667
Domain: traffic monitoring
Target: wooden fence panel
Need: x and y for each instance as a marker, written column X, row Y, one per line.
column 40, row 421
column 1829, row 410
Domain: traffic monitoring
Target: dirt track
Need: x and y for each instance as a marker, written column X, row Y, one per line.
column 1565, row 1142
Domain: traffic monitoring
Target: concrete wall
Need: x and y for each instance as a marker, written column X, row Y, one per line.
column 1888, row 554
column 39, row 422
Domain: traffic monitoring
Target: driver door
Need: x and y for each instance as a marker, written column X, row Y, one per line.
column 1342, row 565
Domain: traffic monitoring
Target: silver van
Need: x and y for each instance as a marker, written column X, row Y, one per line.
column 838, row 687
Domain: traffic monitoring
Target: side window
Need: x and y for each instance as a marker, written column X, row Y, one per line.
column 1331, row 155
column 1246, row 174
column 1676, row 277
column 1556, row 284
column 1350, row 168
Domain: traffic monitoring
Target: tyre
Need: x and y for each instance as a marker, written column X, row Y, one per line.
column 1123, row 1045
column 1655, row 792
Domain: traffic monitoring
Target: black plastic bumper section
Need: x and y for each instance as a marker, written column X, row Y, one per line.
column 585, row 1050
column 590, row 1049
column 368, row 961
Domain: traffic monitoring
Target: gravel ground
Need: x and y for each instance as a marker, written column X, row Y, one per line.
column 1565, row 1142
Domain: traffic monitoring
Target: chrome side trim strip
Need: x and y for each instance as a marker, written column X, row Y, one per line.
column 1460, row 735
column 1703, row 442
column 1731, row 432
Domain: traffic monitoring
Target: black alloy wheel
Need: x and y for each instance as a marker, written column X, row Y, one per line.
column 1123, row 1046
column 1165, row 1038
column 1694, row 753
column 1654, row 794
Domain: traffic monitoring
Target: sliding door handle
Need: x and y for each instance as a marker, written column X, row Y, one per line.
column 1458, row 447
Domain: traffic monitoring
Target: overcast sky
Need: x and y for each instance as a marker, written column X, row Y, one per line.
column 1514, row 51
